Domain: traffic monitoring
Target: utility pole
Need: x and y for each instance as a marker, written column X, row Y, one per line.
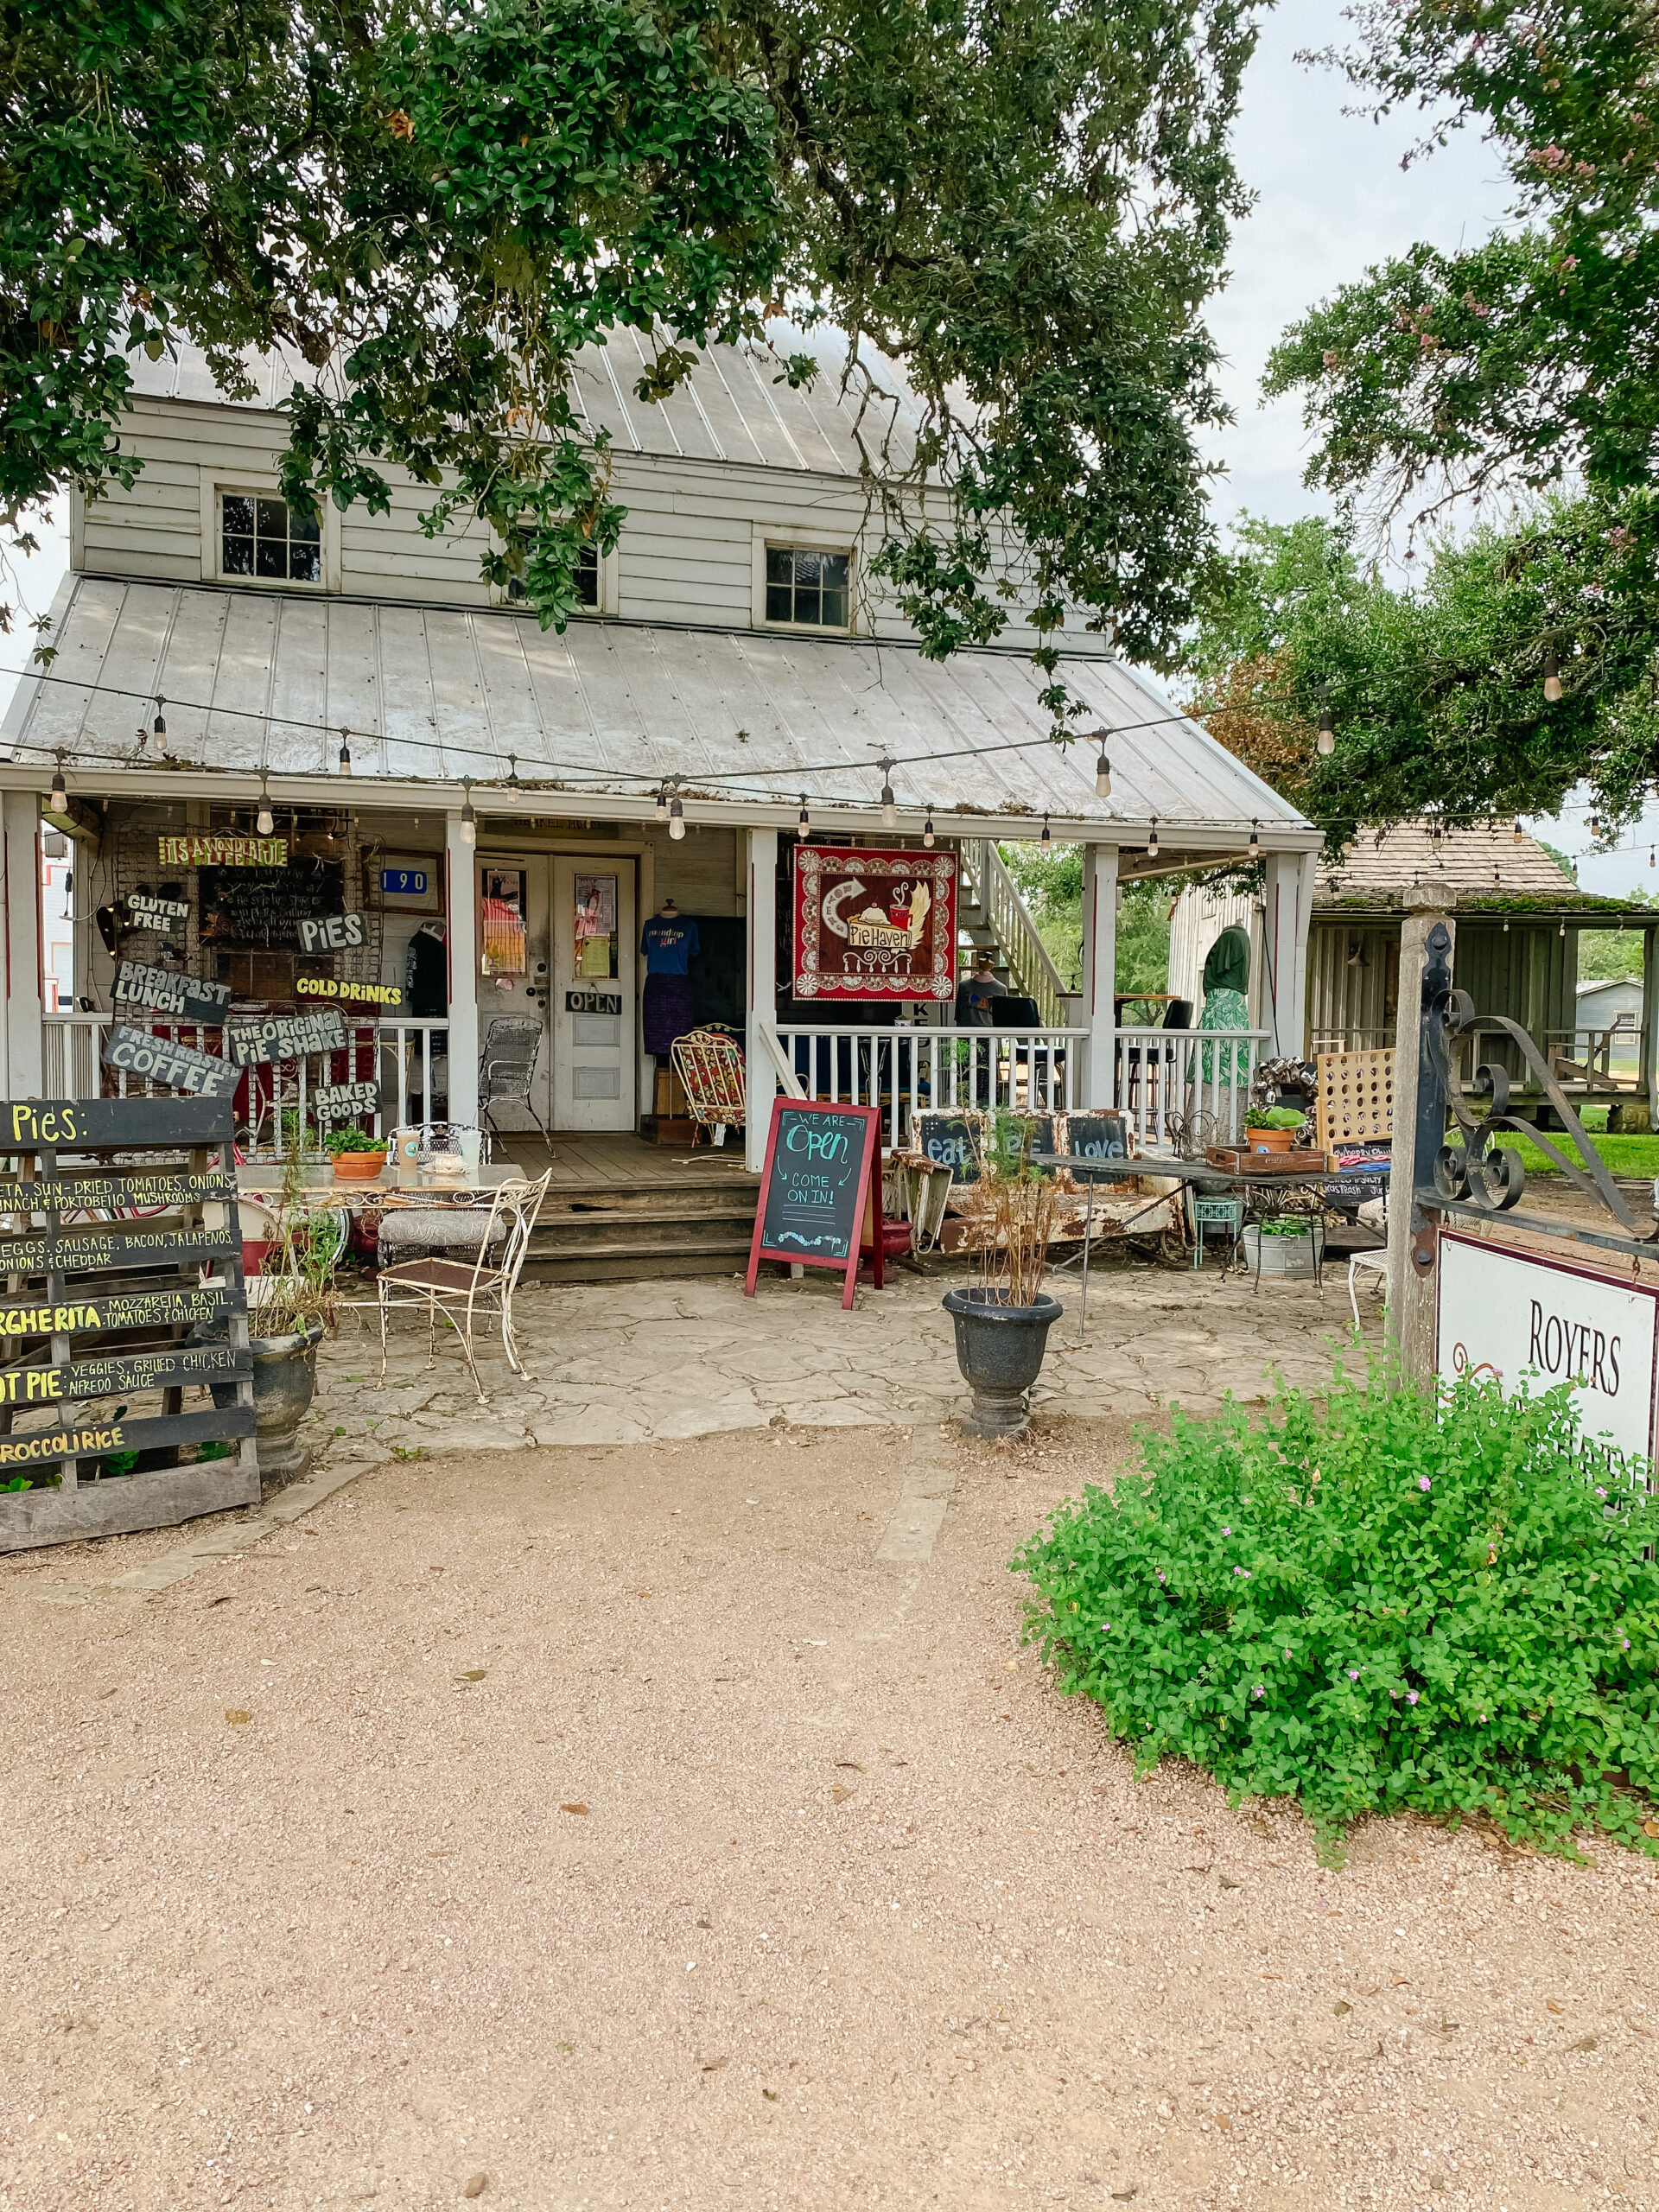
column 1426, row 939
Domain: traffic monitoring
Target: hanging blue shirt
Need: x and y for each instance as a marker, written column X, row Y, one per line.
column 669, row 947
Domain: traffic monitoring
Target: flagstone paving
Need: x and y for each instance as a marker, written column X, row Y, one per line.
column 628, row 1362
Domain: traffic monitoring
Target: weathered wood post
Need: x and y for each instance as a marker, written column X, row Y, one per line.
column 1426, row 936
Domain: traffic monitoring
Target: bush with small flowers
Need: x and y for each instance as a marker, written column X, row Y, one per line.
column 1373, row 1602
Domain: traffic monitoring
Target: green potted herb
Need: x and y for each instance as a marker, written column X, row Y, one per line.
column 1273, row 1128
column 1289, row 1244
column 358, row 1157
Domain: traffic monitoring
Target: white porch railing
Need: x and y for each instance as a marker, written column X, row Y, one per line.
column 1165, row 1076
column 900, row 1070
column 405, row 1058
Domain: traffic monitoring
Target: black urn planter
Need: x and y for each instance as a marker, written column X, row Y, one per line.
column 284, row 1383
column 1000, row 1350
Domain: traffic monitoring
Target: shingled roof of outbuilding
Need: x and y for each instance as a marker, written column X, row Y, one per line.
column 1479, row 864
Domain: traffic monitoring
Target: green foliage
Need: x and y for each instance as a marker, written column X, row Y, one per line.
column 1437, row 692
column 117, row 1463
column 1051, row 883
column 339, row 1141
column 1275, row 1117
column 1509, row 361
column 1615, row 956
column 428, row 210
column 16, row 1483
column 1373, row 1604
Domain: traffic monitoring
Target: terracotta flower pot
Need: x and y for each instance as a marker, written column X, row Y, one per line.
column 1270, row 1139
column 359, row 1166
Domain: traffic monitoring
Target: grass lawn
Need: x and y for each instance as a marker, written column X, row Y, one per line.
column 1621, row 1155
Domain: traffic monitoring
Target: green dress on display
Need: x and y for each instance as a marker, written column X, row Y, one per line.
column 1226, row 980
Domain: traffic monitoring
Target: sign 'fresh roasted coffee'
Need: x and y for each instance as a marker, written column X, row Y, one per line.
column 874, row 925
column 284, row 1036
column 180, row 1067
column 187, row 998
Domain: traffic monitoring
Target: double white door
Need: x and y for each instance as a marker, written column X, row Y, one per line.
column 558, row 943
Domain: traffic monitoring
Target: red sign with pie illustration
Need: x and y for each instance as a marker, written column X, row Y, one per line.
column 874, row 925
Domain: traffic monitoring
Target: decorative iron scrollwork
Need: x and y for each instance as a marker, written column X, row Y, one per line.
column 1492, row 1176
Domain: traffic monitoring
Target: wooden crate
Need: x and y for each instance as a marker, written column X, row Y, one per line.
column 1353, row 1097
column 1233, row 1160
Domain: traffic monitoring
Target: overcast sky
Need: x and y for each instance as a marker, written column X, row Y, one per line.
column 1332, row 198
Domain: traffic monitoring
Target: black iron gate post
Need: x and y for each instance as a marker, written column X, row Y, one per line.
column 1419, row 1104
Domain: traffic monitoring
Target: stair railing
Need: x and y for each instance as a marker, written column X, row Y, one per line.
column 988, row 884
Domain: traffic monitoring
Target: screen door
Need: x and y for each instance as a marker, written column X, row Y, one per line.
column 594, row 985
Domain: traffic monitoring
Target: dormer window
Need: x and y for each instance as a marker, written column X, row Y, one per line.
column 808, row 587
column 587, row 579
column 268, row 540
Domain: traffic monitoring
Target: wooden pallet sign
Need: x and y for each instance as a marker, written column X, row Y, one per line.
column 820, row 1190
column 87, row 1334
column 180, row 1067
column 182, row 998
column 284, row 1036
column 344, row 1102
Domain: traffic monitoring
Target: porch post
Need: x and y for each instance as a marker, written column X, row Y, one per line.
column 20, row 858
column 461, row 864
column 1419, row 1130
column 762, row 1006
column 1288, row 897
column 1647, row 1048
column 1097, row 1078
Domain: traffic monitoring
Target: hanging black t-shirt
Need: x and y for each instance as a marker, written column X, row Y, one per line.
column 427, row 977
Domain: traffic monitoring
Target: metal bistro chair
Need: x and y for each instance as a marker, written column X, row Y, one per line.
column 459, row 1289
column 511, row 1044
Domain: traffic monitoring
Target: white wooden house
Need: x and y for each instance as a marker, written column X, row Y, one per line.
column 733, row 657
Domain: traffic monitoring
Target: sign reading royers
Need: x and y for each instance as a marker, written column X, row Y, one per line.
column 284, row 1036
column 1530, row 1322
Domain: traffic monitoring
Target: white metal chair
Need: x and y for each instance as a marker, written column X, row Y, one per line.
column 507, row 1069
column 1378, row 1262
column 460, row 1288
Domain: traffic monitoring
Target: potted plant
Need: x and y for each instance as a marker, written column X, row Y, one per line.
column 1002, row 1320
column 1273, row 1128
column 1290, row 1244
column 358, row 1157
column 290, row 1303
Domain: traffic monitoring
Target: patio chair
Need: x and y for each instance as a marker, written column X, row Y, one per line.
column 459, row 1289
column 507, row 1064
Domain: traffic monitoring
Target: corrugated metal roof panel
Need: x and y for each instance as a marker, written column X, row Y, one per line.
column 443, row 692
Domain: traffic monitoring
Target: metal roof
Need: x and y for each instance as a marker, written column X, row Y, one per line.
column 268, row 679
column 737, row 405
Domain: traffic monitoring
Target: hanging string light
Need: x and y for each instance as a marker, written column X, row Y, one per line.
column 1045, row 841
column 265, row 823
column 1152, row 839
column 345, row 753
column 889, row 804
column 159, row 725
column 1255, row 841
column 927, row 830
column 1519, row 832
column 1326, row 742
column 661, row 808
column 468, row 819
column 676, row 818
column 1102, row 776
column 803, row 820
column 1552, row 678
column 60, row 789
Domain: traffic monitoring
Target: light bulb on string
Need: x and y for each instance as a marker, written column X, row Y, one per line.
column 660, row 809
column 469, row 818
column 1102, row 776
column 1552, row 678
column 1152, row 839
column 889, row 804
column 1045, row 841
column 1519, row 832
column 1326, row 742
column 60, row 789
column 1562, row 930
column 1255, row 841
column 803, row 820
column 266, row 821
column 927, row 830
column 159, row 725
column 345, row 753
column 676, row 819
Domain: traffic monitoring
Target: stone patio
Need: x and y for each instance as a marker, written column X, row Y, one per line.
column 628, row 1362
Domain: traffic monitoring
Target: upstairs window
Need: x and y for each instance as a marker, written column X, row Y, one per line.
column 807, row 587
column 264, row 538
column 587, row 579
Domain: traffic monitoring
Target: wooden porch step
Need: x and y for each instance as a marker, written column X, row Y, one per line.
column 637, row 1260
column 676, row 1230
column 726, row 1194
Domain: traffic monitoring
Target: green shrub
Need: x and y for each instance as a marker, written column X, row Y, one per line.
column 1373, row 1606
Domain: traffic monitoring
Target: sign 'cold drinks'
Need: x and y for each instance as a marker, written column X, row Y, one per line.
column 1532, row 1322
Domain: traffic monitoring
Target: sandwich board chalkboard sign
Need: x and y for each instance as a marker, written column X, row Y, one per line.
column 820, row 1190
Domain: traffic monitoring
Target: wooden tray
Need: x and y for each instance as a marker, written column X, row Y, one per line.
column 1235, row 1161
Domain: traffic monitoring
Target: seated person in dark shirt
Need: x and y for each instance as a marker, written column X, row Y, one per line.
column 982, row 989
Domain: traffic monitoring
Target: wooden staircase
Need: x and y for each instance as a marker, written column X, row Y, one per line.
column 621, row 1211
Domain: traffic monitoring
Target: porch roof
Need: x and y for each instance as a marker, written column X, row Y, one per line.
column 746, row 719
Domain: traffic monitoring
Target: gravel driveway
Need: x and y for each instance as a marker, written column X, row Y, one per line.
column 581, row 1828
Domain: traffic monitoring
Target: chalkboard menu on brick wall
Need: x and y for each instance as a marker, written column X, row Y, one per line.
column 98, row 1330
column 264, row 906
column 820, row 1190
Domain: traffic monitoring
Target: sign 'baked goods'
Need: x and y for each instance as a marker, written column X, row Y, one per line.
column 342, row 1102
column 874, row 925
